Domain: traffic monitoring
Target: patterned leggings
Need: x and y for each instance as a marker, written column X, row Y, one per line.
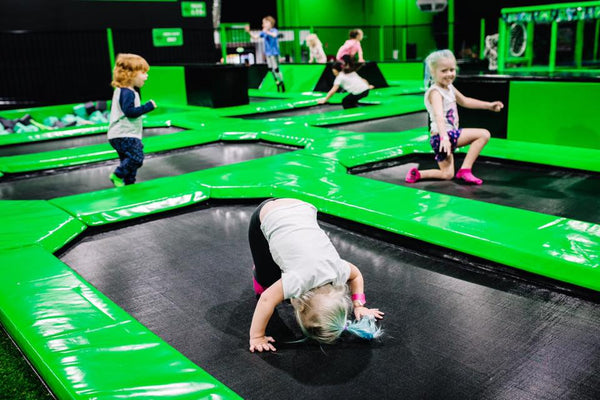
column 131, row 154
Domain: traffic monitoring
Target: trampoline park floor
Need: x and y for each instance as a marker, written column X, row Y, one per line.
column 310, row 110
column 77, row 141
column 451, row 329
column 92, row 177
column 390, row 124
column 549, row 190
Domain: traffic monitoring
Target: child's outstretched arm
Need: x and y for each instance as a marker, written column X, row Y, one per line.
column 357, row 287
column 324, row 100
column 469, row 102
column 436, row 101
column 252, row 35
column 262, row 313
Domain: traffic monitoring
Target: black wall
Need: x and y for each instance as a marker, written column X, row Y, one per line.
column 56, row 51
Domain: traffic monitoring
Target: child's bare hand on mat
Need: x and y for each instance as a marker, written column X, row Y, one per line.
column 262, row 343
column 360, row 312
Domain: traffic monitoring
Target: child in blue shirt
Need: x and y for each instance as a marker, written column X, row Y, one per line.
column 270, row 35
column 125, row 128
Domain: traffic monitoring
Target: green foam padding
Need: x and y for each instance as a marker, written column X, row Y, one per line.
column 82, row 344
column 554, row 247
column 402, row 72
column 297, row 78
column 25, row 223
column 270, row 106
column 562, row 113
column 165, row 85
column 121, row 204
column 99, row 152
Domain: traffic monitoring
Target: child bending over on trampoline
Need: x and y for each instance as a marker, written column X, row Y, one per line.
column 294, row 259
column 125, row 128
column 350, row 81
column 270, row 34
column 440, row 100
column 351, row 48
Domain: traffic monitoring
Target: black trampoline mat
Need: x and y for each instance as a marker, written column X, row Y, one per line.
column 311, row 110
column 76, row 141
column 546, row 189
column 390, row 124
column 64, row 182
column 451, row 332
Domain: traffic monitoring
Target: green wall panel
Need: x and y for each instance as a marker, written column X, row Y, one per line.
column 331, row 20
column 564, row 113
column 297, row 78
column 165, row 85
column 400, row 73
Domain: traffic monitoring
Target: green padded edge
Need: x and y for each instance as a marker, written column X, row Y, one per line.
column 394, row 106
column 297, row 78
column 158, row 118
column 85, row 346
column 305, row 100
column 75, row 131
column 354, row 149
column 100, row 152
column 470, row 226
column 25, row 223
column 559, row 248
column 273, row 94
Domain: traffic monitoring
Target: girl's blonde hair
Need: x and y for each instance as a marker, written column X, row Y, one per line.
column 271, row 20
column 431, row 62
column 312, row 40
column 127, row 66
column 322, row 314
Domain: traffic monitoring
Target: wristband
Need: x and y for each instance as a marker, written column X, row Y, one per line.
column 360, row 297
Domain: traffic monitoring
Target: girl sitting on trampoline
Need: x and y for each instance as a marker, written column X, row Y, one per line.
column 294, row 259
column 440, row 100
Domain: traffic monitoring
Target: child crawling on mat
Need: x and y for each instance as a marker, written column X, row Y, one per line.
column 294, row 259
column 440, row 100
column 347, row 78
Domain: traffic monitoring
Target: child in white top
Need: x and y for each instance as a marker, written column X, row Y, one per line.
column 316, row 49
column 351, row 82
column 440, row 100
column 294, row 259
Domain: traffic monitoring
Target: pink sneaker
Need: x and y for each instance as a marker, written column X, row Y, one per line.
column 466, row 175
column 413, row 175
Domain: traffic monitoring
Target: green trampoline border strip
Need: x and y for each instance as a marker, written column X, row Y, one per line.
column 78, row 340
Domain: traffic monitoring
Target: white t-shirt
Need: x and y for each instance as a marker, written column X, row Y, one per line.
column 302, row 249
column 448, row 105
column 351, row 82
